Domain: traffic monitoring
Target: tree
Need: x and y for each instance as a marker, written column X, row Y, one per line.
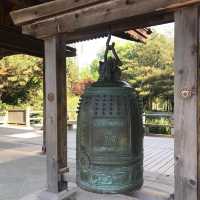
column 21, row 82
column 72, row 72
column 153, row 85
column 72, row 77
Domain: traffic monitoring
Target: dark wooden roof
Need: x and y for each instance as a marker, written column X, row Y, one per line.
column 6, row 6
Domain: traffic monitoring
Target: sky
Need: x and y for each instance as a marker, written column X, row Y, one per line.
column 87, row 51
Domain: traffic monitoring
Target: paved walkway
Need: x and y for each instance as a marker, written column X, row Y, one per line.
column 23, row 168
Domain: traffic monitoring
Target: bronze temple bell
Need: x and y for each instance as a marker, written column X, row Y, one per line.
column 109, row 133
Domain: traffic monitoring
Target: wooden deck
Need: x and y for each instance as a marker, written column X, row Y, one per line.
column 159, row 155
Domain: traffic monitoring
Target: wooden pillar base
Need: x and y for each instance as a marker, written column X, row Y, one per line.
column 44, row 149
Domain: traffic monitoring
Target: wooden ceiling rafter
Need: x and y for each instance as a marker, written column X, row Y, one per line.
column 47, row 9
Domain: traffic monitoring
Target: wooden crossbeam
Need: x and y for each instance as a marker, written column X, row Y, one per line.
column 45, row 10
column 34, row 13
column 116, row 27
column 82, row 18
column 16, row 42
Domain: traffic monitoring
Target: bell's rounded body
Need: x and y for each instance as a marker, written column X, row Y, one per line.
column 109, row 139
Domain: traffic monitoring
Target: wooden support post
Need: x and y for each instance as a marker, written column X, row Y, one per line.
column 187, row 107
column 56, row 131
column 44, row 111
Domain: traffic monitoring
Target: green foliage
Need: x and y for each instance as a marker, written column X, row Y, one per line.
column 164, row 130
column 152, row 84
column 72, row 77
column 94, row 70
column 21, row 82
column 22, row 85
column 158, row 125
column 157, row 52
column 3, row 108
column 72, row 107
column 158, row 121
column 85, row 73
column 90, row 73
column 72, row 72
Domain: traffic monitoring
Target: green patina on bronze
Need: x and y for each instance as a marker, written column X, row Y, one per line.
column 109, row 135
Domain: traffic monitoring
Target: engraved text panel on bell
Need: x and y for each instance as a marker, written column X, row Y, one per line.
column 111, row 136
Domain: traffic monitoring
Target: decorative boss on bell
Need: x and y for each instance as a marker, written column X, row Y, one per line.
column 110, row 133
